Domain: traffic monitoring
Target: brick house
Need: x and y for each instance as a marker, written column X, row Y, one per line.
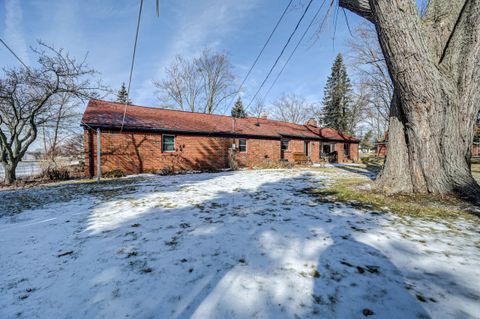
column 382, row 148
column 154, row 139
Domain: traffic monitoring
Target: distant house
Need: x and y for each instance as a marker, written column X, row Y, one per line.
column 382, row 148
column 154, row 139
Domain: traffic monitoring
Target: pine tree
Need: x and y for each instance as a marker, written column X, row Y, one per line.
column 337, row 97
column 238, row 110
column 122, row 95
column 366, row 141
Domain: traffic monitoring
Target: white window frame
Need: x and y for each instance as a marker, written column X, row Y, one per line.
column 174, row 141
column 281, row 144
column 306, row 147
column 246, row 145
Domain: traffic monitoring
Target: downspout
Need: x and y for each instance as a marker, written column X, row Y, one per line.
column 91, row 171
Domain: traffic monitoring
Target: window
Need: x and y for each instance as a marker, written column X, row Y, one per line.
column 242, row 145
column 346, row 149
column 327, row 149
column 305, row 148
column 168, row 143
column 284, row 145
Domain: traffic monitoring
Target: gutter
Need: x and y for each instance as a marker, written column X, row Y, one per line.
column 215, row 134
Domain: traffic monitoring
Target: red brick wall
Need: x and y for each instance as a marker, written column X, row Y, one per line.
column 354, row 152
column 352, row 155
column 381, row 149
column 475, row 150
column 294, row 146
column 142, row 152
column 135, row 153
column 258, row 151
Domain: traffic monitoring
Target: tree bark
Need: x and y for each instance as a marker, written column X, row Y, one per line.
column 433, row 63
column 10, row 173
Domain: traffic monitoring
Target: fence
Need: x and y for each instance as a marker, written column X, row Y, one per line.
column 24, row 169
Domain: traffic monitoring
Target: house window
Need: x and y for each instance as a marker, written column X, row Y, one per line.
column 346, row 149
column 306, row 148
column 284, row 145
column 327, row 149
column 242, row 145
column 168, row 143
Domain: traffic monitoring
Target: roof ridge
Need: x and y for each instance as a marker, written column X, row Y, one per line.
column 165, row 109
column 152, row 116
column 205, row 114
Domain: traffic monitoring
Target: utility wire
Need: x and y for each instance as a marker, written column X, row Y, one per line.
column 133, row 63
column 261, row 51
column 14, row 54
column 298, row 44
column 280, row 55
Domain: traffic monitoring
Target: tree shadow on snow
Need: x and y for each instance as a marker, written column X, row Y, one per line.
column 357, row 279
column 227, row 258
column 369, row 171
column 237, row 253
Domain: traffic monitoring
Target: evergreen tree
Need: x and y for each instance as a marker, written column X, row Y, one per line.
column 238, row 110
column 366, row 141
column 122, row 95
column 337, row 98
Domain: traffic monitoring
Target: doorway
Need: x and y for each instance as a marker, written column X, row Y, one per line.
column 327, row 152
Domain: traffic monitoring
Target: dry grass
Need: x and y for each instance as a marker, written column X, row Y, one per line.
column 358, row 193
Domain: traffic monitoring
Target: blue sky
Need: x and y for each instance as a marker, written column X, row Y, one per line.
column 105, row 30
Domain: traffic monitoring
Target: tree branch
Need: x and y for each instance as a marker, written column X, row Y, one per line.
column 359, row 7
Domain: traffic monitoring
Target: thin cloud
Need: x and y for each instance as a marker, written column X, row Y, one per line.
column 13, row 34
column 200, row 26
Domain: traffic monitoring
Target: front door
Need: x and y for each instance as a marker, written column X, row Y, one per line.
column 327, row 152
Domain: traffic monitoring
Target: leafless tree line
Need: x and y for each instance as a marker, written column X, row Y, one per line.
column 40, row 98
column 201, row 84
column 374, row 82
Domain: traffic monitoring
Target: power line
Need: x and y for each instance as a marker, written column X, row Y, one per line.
column 281, row 53
column 14, row 54
column 261, row 51
column 298, row 44
column 133, row 62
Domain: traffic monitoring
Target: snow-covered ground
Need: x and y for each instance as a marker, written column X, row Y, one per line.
column 243, row 244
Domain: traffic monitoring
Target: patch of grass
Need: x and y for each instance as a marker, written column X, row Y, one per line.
column 357, row 193
column 476, row 167
column 373, row 163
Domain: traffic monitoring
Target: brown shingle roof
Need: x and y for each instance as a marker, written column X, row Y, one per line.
column 109, row 115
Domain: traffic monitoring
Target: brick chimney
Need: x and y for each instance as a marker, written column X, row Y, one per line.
column 311, row 122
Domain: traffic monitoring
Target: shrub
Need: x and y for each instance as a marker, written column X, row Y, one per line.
column 116, row 173
column 56, row 174
column 269, row 164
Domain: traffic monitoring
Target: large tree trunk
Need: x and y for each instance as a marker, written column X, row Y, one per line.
column 10, row 173
column 433, row 63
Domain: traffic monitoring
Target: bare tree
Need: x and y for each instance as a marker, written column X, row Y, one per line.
column 218, row 80
column 433, row 63
column 182, row 87
column 258, row 109
column 292, row 108
column 201, row 84
column 27, row 97
column 369, row 64
column 57, row 124
column 72, row 146
column 359, row 108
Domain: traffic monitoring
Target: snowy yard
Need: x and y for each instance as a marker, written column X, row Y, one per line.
column 246, row 244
